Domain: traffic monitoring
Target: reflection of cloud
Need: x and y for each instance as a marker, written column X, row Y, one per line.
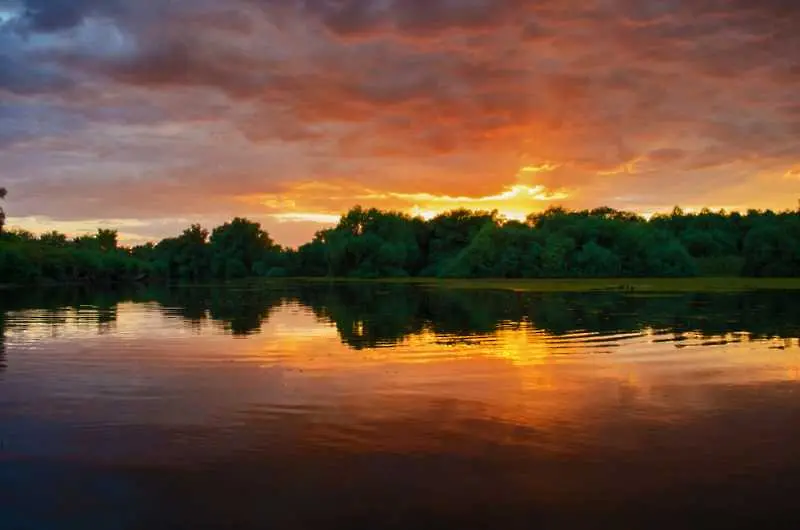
column 182, row 108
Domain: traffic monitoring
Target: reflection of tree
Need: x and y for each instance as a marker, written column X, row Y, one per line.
column 370, row 315
column 3, row 360
column 366, row 316
column 241, row 310
column 60, row 307
column 374, row 315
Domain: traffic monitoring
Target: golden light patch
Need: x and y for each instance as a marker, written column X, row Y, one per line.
column 270, row 201
column 312, row 217
column 515, row 202
column 626, row 168
column 540, row 168
column 319, row 202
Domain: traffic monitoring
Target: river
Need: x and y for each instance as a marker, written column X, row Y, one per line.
column 297, row 406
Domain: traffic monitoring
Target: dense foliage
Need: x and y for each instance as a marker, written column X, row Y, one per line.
column 238, row 249
column 462, row 244
column 51, row 257
column 556, row 243
column 3, row 194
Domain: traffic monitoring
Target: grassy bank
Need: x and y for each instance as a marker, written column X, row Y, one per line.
column 643, row 285
column 664, row 285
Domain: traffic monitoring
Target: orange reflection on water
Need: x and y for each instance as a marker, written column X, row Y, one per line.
column 574, row 422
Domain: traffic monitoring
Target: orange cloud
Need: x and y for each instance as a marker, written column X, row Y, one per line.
column 196, row 111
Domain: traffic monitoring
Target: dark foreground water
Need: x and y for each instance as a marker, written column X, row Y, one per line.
column 385, row 407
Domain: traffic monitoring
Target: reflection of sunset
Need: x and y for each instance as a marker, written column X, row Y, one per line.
column 518, row 373
column 420, row 398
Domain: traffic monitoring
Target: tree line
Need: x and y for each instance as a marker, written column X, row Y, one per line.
column 371, row 243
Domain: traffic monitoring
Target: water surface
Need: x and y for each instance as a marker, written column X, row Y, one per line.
column 389, row 406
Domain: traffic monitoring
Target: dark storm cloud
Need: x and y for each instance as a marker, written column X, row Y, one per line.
column 174, row 100
column 22, row 77
column 58, row 15
column 415, row 17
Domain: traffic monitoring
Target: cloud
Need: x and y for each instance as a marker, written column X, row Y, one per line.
column 191, row 109
column 58, row 15
column 413, row 17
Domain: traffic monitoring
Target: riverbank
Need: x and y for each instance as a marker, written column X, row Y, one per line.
column 539, row 285
column 650, row 285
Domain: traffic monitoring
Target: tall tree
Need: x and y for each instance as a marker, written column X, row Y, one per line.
column 241, row 248
column 107, row 239
column 3, row 193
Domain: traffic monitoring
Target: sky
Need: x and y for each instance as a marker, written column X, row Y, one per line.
column 147, row 116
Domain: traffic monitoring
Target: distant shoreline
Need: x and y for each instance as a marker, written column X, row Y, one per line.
column 540, row 285
column 569, row 245
column 636, row 284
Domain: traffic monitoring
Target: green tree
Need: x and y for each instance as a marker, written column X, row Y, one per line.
column 556, row 255
column 3, row 194
column 186, row 257
column 54, row 239
column 372, row 243
column 771, row 251
column 241, row 248
column 86, row 242
column 450, row 233
column 107, row 239
column 594, row 260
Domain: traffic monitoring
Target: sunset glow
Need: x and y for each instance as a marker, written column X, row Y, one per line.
column 153, row 115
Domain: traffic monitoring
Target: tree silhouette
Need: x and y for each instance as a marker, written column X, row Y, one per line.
column 3, row 193
column 241, row 248
column 107, row 239
column 371, row 243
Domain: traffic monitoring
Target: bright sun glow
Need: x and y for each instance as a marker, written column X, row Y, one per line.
column 321, row 218
column 512, row 202
column 515, row 202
